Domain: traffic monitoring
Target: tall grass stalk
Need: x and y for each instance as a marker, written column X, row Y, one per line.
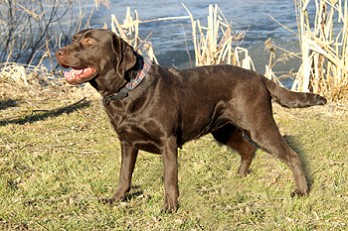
column 324, row 48
column 129, row 31
column 213, row 44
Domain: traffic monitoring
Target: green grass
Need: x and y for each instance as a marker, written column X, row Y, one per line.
column 57, row 162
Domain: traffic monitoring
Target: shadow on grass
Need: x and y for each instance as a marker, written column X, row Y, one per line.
column 136, row 191
column 38, row 115
column 292, row 141
column 4, row 104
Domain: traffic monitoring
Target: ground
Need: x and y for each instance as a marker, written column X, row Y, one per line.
column 59, row 155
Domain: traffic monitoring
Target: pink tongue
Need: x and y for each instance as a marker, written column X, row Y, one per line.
column 76, row 76
column 72, row 73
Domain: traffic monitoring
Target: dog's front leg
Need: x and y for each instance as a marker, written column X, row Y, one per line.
column 170, row 163
column 128, row 159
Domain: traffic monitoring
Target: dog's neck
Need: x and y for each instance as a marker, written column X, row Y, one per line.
column 132, row 74
column 120, row 89
column 139, row 72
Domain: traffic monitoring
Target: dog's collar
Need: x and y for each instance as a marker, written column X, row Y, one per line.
column 141, row 73
column 116, row 96
column 130, row 85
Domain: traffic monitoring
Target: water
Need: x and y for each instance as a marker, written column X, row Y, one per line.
column 168, row 37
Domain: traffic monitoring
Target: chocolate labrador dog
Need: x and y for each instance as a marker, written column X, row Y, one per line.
column 159, row 109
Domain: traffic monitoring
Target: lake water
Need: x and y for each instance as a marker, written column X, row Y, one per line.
column 168, row 37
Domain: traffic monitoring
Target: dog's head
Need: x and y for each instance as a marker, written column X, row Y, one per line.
column 96, row 54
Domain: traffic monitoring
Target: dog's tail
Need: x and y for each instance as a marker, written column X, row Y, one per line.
column 290, row 99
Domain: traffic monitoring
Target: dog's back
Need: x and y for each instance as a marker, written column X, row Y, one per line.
column 220, row 80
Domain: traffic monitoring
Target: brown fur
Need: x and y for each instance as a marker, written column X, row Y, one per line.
column 171, row 107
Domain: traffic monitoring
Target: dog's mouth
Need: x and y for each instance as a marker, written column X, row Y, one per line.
column 80, row 75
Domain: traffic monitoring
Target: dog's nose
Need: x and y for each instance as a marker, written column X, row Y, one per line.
column 61, row 52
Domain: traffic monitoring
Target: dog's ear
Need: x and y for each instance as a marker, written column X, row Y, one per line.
column 125, row 56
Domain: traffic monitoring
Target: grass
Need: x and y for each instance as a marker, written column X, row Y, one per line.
column 59, row 155
column 58, row 158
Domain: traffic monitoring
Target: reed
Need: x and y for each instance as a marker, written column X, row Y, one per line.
column 213, row 44
column 324, row 49
column 14, row 72
column 102, row 3
column 26, row 75
column 129, row 31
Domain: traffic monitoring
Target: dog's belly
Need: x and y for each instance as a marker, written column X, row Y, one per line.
column 147, row 145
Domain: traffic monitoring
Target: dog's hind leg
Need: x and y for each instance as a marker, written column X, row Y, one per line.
column 233, row 137
column 264, row 131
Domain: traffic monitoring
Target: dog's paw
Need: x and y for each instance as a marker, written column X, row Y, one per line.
column 243, row 173
column 299, row 193
column 171, row 205
column 168, row 209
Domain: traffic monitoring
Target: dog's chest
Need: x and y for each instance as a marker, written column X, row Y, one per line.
column 144, row 133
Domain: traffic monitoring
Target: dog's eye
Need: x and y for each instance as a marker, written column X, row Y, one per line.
column 75, row 38
column 88, row 41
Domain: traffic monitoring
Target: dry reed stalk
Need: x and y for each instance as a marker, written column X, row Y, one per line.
column 324, row 49
column 275, row 59
column 129, row 31
column 102, row 2
column 14, row 72
column 26, row 75
column 213, row 43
